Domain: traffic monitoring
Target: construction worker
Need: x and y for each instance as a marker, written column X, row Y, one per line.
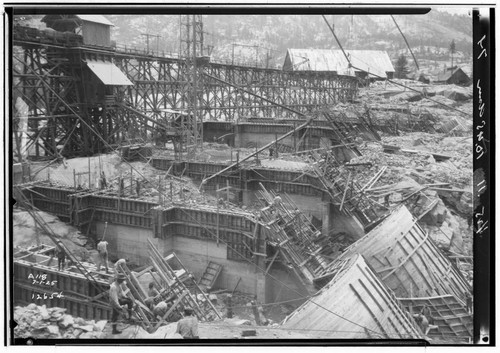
column 102, row 248
column 104, row 183
column 152, row 291
column 119, row 301
column 61, row 258
column 468, row 302
column 138, row 187
column 422, row 322
column 187, row 327
column 426, row 311
column 118, row 265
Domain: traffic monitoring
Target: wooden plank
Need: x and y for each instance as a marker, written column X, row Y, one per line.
column 407, row 257
column 367, row 307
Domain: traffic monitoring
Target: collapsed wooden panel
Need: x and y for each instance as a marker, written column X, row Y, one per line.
column 407, row 260
column 447, row 313
column 354, row 304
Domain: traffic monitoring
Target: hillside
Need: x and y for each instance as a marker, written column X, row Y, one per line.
column 264, row 39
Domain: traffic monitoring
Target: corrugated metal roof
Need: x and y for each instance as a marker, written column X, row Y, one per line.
column 96, row 19
column 372, row 61
column 108, row 73
column 317, row 60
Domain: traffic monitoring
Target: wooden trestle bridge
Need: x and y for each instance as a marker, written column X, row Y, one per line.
column 63, row 107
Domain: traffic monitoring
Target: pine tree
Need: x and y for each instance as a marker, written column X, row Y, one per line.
column 452, row 51
column 401, row 67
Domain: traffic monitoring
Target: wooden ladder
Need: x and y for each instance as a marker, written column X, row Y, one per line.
column 210, row 275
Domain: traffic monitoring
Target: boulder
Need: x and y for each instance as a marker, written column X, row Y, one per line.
column 100, row 325
column 53, row 329
column 409, row 96
column 87, row 335
column 86, row 328
column 441, row 235
column 67, row 320
column 436, row 216
column 44, row 312
column 418, row 142
column 458, row 94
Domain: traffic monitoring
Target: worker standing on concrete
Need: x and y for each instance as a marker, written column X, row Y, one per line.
column 468, row 302
column 61, row 258
column 102, row 248
column 118, row 300
column 188, row 326
column 104, row 183
column 138, row 187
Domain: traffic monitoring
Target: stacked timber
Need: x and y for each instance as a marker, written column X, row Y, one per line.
column 355, row 304
column 407, row 260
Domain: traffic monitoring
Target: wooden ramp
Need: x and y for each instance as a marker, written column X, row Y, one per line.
column 355, row 304
column 210, row 275
column 451, row 318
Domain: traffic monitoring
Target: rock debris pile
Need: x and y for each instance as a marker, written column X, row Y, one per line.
column 41, row 322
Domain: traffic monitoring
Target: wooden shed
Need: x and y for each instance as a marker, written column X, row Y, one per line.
column 355, row 304
column 95, row 29
column 456, row 76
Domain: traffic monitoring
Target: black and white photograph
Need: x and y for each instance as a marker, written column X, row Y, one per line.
column 184, row 175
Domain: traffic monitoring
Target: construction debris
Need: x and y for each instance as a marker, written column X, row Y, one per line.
column 351, row 208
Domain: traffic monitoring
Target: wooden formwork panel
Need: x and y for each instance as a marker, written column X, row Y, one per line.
column 407, row 260
column 53, row 193
column 56, row 208
column 354, row 304
column 69, row 281
column 74, row 306
column 134, row 220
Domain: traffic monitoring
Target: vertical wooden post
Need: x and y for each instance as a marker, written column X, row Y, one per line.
column 411, row 296
column 294, row 138
column 276, row 145
column 227, row 190
column 229, row 306
column 131, row 180
column 218, row 207
column 90, row 187
column 74, row 178
column 159, row 190
column 171, row 192
column 256, row 313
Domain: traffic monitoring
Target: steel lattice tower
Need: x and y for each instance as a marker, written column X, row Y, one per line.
column 191, row 50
